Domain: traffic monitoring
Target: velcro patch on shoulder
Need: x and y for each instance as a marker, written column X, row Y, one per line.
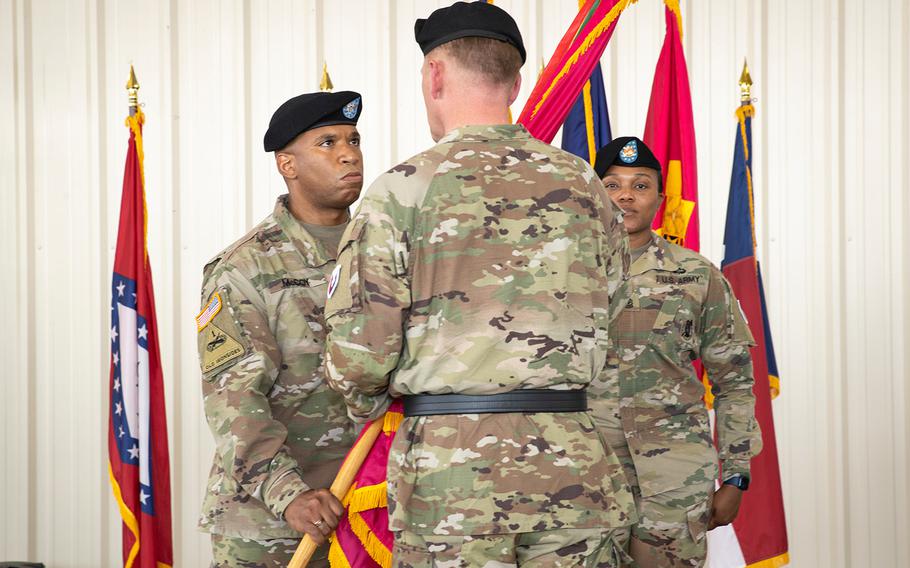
column 219, row 348
column 209, row 312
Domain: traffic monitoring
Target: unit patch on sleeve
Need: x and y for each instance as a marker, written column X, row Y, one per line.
column 217, row 347
column 220, row 348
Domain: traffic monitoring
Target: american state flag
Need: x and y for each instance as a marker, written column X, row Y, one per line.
column 758, row 536
column 137, row 429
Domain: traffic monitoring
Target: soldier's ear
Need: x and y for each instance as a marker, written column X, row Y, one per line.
column 435, row 69
column 287, row 164
column 516, row 88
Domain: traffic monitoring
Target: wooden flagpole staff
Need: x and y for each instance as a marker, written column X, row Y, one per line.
column 341, row 485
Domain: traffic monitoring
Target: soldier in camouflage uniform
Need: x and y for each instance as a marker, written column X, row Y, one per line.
column 281, row 432
column 484, row 266
column 648, row 400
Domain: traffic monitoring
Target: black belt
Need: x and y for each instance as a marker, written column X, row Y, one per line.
column 527, row 400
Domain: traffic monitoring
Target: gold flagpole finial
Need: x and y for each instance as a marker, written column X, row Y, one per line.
column 132, row 91
column 325, row 83
column 745, row 84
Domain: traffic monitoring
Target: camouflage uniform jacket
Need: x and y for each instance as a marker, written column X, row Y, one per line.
column 482, row 266
column 279, row 429
column 681, row 308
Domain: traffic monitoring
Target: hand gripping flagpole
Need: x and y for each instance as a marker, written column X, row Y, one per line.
column 341, row 485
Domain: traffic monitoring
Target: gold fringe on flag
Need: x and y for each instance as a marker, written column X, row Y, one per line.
column 135, row 122
column 391, row 422
column 337, row 559
column 129, row 519
column 369, row 497
column 775, row 562
column 673, row 5
column 371, row 543
column 589, row 40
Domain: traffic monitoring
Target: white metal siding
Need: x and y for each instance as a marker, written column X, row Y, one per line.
column 831, row 168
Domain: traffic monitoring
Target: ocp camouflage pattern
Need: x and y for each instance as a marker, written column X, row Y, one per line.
column 680, row 308
column 483, row 265
column 279, row 429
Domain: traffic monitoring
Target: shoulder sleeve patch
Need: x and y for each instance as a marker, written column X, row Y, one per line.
column 220, row 348
column 739, row 328
column 218, row 336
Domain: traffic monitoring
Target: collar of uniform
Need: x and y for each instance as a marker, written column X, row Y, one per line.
column 312, row 251
column 485, row 133
column 657, row 257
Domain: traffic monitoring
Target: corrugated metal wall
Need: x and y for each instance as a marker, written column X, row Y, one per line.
column 832, row 140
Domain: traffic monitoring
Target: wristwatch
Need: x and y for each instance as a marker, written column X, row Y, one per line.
column 741, row 482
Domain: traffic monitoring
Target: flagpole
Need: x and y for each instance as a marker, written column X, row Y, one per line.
column 342, row 484
column 325, row 82
column 745, row 85
column 132, row 91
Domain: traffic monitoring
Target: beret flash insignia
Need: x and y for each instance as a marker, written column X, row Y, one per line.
column 629, row 152
column 350, row 109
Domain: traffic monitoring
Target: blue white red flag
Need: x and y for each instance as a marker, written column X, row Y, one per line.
column 137, row 439
column 758, row 536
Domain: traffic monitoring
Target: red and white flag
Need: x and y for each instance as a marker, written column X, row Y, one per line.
column 137, row 438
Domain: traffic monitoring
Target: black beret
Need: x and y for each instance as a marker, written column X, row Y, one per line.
column 308, row 111
column 463, row 19
column 627, row 151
